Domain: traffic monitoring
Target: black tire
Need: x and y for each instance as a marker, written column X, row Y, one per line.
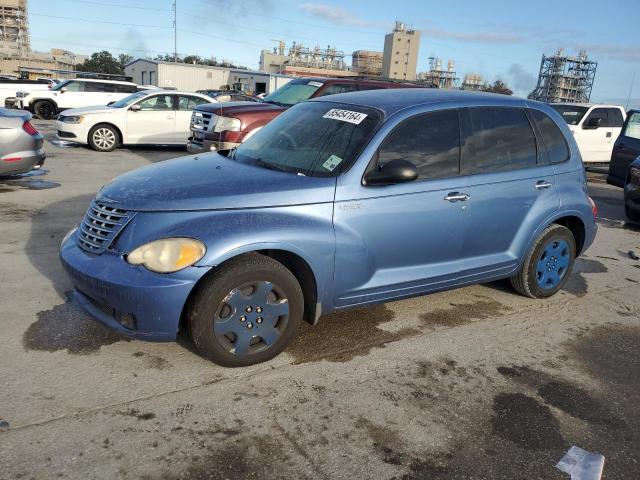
column 631, row 215
column 45, row 109
column 526, row 280
column 104, row 138
column 216, row 311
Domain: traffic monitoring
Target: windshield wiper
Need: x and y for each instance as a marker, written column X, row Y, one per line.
column 271, row 166
column 273, row 102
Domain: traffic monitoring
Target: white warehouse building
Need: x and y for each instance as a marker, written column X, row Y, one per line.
column 189, row 77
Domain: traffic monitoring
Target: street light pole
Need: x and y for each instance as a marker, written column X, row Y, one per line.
column 175, row 33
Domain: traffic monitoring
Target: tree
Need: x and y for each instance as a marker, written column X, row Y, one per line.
column 124, row 59
column 497, row 87
column 101, row 62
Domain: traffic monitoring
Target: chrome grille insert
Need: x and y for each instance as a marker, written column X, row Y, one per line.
column 100, row 226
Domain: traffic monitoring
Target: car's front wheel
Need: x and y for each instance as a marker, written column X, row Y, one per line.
column 44, row 109
column 103, row 138
column 247, row 312
column 548, row 264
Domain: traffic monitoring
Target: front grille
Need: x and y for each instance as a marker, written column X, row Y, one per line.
column 203, row 121
column 100, row 226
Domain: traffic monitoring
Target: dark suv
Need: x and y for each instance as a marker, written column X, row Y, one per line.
column 223, row 127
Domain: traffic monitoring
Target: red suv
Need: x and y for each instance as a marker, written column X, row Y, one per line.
column 225, row 126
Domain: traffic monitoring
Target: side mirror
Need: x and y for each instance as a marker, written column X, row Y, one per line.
column 592, row 123
column 392, row 172
column 63, row 89
column 110, row 103
column 135, row 108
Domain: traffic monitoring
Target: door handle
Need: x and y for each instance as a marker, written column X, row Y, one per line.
column 542, row 184
column 457, row 197
column 170, row 117
column 608, row 135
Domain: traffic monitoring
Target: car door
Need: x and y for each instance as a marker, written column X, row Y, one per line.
column 616, row 120
column 98, row 93
column 593, row 138
column 404, row 239
column 186, row 105
column 152, row 120
column 510, row 188
column 71, row 95
column 625, row 150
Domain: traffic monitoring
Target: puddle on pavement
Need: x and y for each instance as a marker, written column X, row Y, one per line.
column 461, row 313
column 339, row 337
column 27, row 184
column 577, row 284
column 525, row 421
column 153, row 361
column 68, row 327
column 385, row 441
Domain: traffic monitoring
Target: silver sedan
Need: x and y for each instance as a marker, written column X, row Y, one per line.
column 21, row 145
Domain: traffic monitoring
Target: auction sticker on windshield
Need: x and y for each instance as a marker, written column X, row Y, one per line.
column 332, row 162
column 315, row 84
column 345, row 116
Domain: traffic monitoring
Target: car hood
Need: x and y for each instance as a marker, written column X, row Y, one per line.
column 235, row 108
column 212, row 182
column 88, row 110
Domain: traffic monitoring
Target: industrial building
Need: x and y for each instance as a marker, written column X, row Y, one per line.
column 400, row 58
column 301, row 61
column 367, row 63
column 15, row 45
column 190, row 77
column 438, row 76
column 472, row 81
column 565, row 78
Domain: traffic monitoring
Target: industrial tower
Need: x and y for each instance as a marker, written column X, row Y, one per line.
column 565, row 79
column 14, row 26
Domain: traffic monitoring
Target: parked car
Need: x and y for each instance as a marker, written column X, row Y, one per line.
column 632, row 192
column 595, row 128
column 9, row 88
column 77, row 93
column 215, row 127
column 222, row 96
column 21, row 145
column 340, row 202
column 150, row 117
column 625, row 150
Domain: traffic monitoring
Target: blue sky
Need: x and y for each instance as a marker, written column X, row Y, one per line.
column 499, row 39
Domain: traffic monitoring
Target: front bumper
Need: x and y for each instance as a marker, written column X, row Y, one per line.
column 129, row 299
column 72, row 132
column 203, row 146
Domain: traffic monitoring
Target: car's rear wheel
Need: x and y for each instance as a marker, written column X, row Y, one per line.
column 631, row 215
column 247, row 312
column 44, row 109
column 103, row 138
column 548, row 263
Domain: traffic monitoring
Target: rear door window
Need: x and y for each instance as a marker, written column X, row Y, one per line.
column 552, row 137
column 431, row 141
column 615, row 117
column 339, row 88
column 497, row 139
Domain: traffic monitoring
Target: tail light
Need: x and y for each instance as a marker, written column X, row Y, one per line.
column 30, row 129
column 594, row 208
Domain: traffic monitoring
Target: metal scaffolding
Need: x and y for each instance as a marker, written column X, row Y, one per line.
column 565, row 79
column 367, row 63
column 472, row 81
column 438, row 76
column 14, row 26
column 325, row 58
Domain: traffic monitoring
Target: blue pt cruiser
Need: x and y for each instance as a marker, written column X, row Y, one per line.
column 343, row 201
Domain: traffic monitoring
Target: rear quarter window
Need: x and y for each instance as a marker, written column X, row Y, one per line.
column 496, row 139
column 552, row 137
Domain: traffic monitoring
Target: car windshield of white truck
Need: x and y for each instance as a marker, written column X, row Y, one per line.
column 571, row 114
column 293, row 92
column 126, row 101
column 318, row 139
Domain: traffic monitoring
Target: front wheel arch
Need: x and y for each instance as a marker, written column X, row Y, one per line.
column 106, row 124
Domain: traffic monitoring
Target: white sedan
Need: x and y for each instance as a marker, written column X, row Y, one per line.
column 151, row 117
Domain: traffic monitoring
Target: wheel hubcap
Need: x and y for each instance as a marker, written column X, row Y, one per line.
column 251, row 318
column 553, row 264
column 104, row 138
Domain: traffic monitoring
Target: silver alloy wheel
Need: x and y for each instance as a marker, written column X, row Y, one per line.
column 104, row 138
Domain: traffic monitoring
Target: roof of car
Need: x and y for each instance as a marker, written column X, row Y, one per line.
column 391, row 101
column 607, row 105
column 119, row 82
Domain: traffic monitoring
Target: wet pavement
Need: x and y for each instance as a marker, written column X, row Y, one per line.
column 476, row 383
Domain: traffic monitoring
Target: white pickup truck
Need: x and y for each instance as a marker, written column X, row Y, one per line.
column 595, row 128
column 9, row 88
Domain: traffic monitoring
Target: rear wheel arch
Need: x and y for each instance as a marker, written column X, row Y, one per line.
column 577, row 227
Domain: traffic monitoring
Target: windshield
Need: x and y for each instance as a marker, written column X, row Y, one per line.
column 293, row 92
column 570, row 113
column 126, row 101
column 318, row 139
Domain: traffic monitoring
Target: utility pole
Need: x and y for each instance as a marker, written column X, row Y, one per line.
column 630, row 90
column 175, row 32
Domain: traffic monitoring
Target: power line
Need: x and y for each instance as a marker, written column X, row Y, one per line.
column 115, row 5
column 97, row 21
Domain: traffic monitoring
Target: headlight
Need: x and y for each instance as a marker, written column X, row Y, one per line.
column 72, row 118
column 168, row 255
column 227, row 124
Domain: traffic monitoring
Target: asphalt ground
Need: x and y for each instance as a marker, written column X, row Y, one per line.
column 476, row 383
